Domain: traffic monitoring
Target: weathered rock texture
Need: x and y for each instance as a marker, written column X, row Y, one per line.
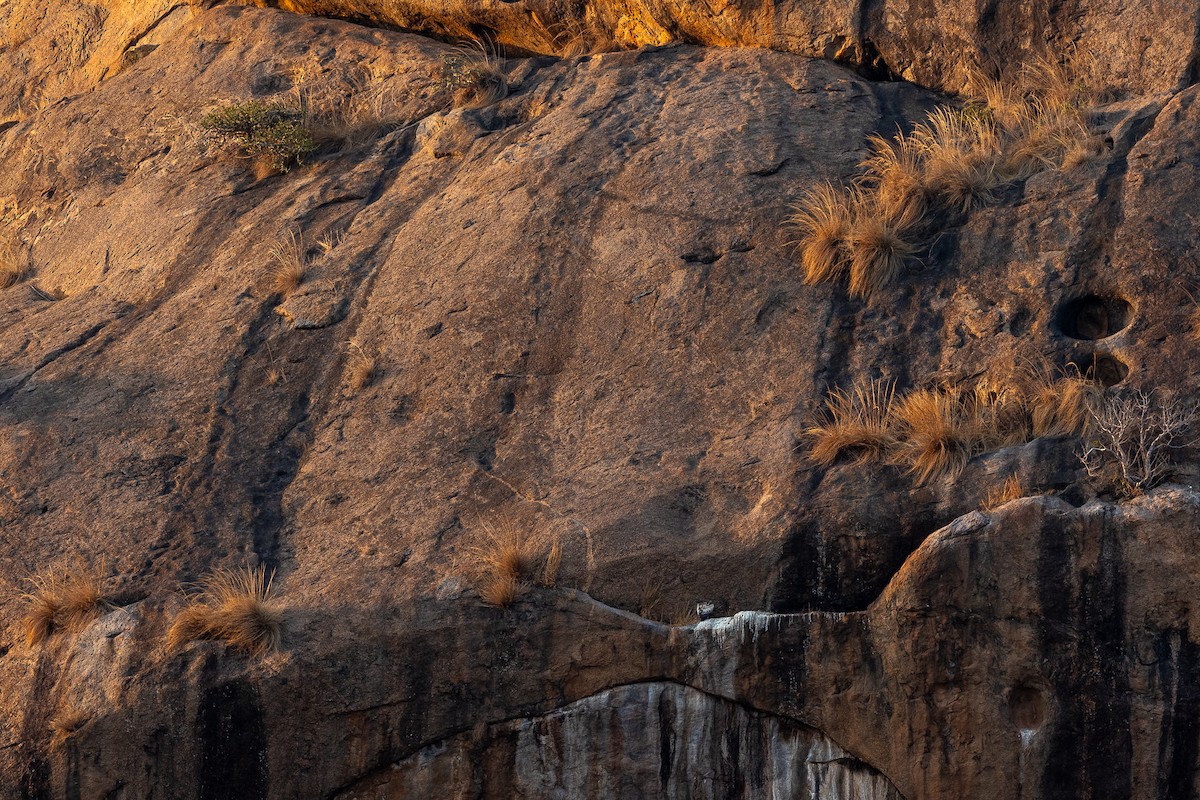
column 653, row 740
column 55, row 48
column 586, row 317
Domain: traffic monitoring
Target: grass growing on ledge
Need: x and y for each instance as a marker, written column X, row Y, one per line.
column 935, row 432
column 473, row 77
column 64, row 599
column 824, row 217
column 1004, row 492
column 291, row 263
column 14, row 264
column 508, row 563
column 234, row 606
column 857, row 422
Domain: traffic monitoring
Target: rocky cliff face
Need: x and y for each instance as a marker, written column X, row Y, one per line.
column 584, row 315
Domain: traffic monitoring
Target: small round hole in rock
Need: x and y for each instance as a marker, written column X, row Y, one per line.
column 1103, row 368
column 1093, row 316
column 1027, row 706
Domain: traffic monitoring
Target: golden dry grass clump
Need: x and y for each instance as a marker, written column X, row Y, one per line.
column 68, row 721
column 939, row 433
column 935, row 432
column 879, row 249
column 954, row 160
column 65, row 599
column 1004, row 492
column 14, row 264
column 895, row 174
column 233, row 606
column 856, row 422
column 291, row 263
column 508, row 562
column 473, row 76
column 1063, row 406
column 961, row 152
column 824, row 218
column 364, row 367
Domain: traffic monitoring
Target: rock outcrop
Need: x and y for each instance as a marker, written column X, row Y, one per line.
column 584, row 315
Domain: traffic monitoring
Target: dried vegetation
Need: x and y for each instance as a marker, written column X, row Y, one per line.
column 935, row 432
column 64, row 599
column 509, row 561
column 233, row 606
column 1135, row 437
column 952, row 162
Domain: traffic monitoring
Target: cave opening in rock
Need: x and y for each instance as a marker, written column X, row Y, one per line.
column 1093, row 316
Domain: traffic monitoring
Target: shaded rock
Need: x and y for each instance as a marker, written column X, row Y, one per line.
column 645, row 740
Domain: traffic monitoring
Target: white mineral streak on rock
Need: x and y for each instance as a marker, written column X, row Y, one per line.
column 648, row 740
column 672, row 742
column 718, row 664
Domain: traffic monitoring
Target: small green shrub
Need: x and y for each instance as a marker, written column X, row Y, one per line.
column 270, row 130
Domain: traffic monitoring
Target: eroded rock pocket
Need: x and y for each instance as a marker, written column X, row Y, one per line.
column 1103, row 368
column 1093, row 316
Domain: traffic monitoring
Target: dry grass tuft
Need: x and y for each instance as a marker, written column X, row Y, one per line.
column 857, row 422
column 364, row 367
column 1003, row 493
column 553, row 563
column 234, row 606
column 879, row 249
column 69, row 720
column 895, row 172
column 474, row 77
column 348, row 109
column 65, row 598
column 573, row 39
column 507, row 563
column 14, row 264
column 1063, row 406
column 962, row 152
column 940, row 433
column 291, row 263
column 824, row 217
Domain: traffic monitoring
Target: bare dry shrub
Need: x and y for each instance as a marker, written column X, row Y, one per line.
column 824, row 217
column 1137, row 434
column 1007, row 491
column 857, row 422
column 291, row 263
column 64, row 598
column 234, row 606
